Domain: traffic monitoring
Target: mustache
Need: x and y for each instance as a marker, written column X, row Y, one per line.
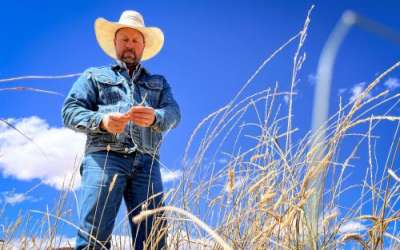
column 129, row 50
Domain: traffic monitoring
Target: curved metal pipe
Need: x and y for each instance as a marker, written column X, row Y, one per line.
column 322, row 96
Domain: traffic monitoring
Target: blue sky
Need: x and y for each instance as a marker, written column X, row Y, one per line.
column 211, row 49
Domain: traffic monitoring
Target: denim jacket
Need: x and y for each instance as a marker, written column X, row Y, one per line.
column 101, row 90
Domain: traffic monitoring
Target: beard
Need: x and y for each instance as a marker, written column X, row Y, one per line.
column 129, row 57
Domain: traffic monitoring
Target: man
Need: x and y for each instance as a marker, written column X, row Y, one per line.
column 123, row 110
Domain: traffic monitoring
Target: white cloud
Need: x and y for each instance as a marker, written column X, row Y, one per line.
column 15, row 198
column 181, row 240
column 121, row 242
column 169, row 175
column 341, row 91
column 53, row 157
column 238, row 183
column 29, row 243
column 392, row 83
column 222, row 160
column 356, row 90
column 352, row 227
column 312, row 79
column 286, row 99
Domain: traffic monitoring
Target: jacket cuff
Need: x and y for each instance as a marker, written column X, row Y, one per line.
column 94, row 125
column 157, row 124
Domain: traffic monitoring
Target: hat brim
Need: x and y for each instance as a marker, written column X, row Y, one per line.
column 105, row 34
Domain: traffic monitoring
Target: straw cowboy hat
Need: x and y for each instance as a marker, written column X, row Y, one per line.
column 105, row 33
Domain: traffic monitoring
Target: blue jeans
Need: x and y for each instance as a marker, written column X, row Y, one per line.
column 106, row 179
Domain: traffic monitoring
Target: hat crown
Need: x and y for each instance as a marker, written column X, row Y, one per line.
column 132, row 18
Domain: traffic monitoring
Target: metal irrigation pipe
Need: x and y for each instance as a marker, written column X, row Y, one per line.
column 322, row 96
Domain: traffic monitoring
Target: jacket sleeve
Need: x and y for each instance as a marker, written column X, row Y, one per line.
column 168, row 114
column 79, row 111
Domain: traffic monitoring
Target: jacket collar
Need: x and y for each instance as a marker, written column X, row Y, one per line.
column 120, row 66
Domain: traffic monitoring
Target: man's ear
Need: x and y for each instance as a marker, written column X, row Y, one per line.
column 115, row 36
column 144, row 40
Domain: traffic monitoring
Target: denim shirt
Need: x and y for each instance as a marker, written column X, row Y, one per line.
column 102, row 90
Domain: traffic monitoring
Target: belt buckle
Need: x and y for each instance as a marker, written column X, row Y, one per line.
column 131, row 150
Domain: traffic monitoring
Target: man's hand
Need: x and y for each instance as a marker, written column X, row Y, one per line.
column 141, row 115
column 114, row 122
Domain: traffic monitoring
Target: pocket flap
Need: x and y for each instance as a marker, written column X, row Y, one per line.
column 152, row 83
column 106, row 79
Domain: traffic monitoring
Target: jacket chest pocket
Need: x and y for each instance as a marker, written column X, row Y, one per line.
column 111, row 91
column 151, row 92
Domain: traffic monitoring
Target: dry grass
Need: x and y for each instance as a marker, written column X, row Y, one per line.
column 258, row 198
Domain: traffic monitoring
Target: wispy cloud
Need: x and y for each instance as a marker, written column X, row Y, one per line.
column 356, row 90
column 312, row 79
column 53, row 157
column 341, row 91
column 286, row 99
column 222, row 160
column 352, row 227
column 392, row 83
column 15, row 198
column 238, row 183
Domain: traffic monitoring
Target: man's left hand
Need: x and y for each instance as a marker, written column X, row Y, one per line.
column 141, row 115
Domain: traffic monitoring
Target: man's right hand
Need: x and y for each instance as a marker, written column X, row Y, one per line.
column 114, row 123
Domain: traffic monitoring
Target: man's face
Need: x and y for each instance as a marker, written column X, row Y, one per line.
column 129, row 45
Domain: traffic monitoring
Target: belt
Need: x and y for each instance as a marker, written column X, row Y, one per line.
column 131, row 149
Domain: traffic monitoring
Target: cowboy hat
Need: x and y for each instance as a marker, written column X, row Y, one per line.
column 105, row 33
